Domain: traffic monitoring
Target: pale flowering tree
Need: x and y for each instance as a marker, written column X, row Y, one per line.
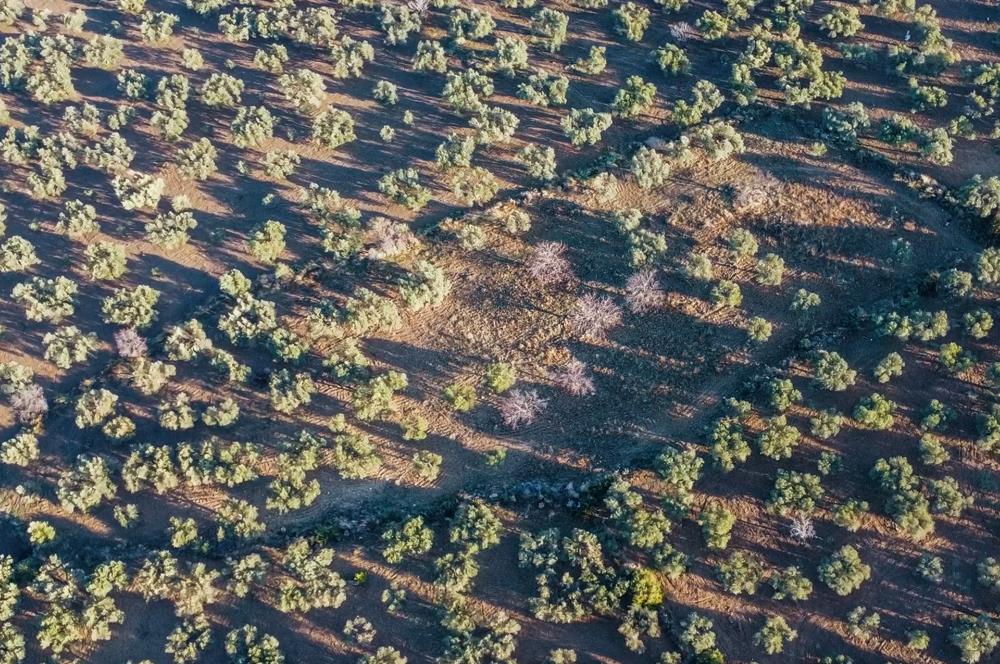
column 574, row 378
column 592, row 316
column 29, row 404
column 129, row 343
column 548, row 264
column 389, row 238
column 521, row 407
column 642, row 292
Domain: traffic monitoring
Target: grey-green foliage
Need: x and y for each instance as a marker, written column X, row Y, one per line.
column 975, row 637
column 398, row 21
column 774, row 635
column 46, row 299
column 574, row 578
column 795, row 492
column 544, row 89
column 832, row 371
column 465, row 90
column 706, row 98
column 373, row 399
column 511, row 55
column 171, row 230
column 252, row 126
column 17, row 254
column 333, row 127
column 304, row 89
column 778, row 438
column 474, row 185
column 403, row 187
column 289, row 391
column 672, row 60
column 585, row 126
column 267, row 241
column 67, row 346
column 131, row 307
column 841, row 22
column 411, row 538
column 633, row 98
column 790, row 583
column 86, row 485
column 20, row 450
column 469, row 23
column 197, row 161
column 549, row 27
column 271, row 58
column 494, row 125
column 741, row 573
column 539, row 161
column 176, row 414
column 105, row 260
column 631, row 20
column 844, row 571
column 726, row 293
column 875, row 412
column 475, row 527
column 430, row 56
column 594, row 63
column 138, row 191
column 245, row 645
column 716, row 525
column 348, row 57
column 889, row 367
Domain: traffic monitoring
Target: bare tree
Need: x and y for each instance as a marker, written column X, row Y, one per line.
column 129, row 343
column 592, row 316
column 548, row 263
column 802, row 528
column 642, row 291
column 521, row 407
column 29, row 404
column 574, row 378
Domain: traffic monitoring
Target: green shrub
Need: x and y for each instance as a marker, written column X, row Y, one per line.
column 875, row 412
column 841, row 22
column 333, row 128
column 782, row 394
column 672, row 60
column 778, row 439
column 549, row 27
column 427, row 465
column 500, row 376
column 411, row 538
column 425, row 285
column 975, row 638
column 790, row 583
column 795, row 492
column 44, row 299
column 774, row 635
column 461, row 397
column 849, row 515
column 131, row 307
column 631, row 21
column 716, row 525
column 832, row 372
column 585, row 126
column 843, row 571
column 403, row 187
column 741, row 573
